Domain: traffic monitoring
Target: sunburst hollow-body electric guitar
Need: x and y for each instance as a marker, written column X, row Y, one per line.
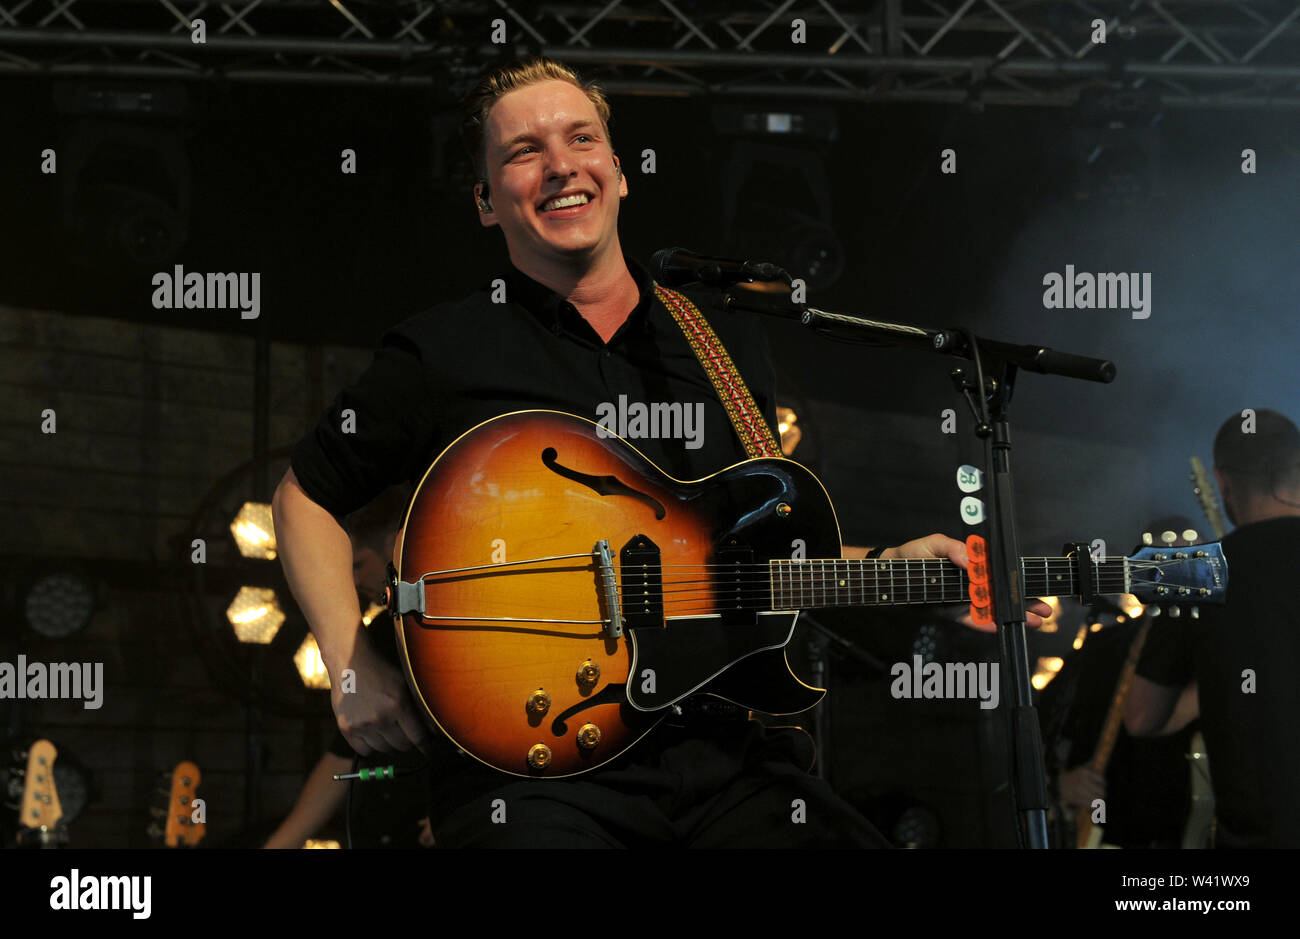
column 557, row 595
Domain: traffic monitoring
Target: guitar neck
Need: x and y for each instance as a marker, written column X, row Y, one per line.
column 832, row 582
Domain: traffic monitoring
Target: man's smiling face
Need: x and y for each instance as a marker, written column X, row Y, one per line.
column 546, row 142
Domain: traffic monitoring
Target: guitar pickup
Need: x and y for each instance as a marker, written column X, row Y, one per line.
column 734, row 583
column 643, row 582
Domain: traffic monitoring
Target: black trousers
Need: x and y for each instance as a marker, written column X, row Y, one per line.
column 706, row 785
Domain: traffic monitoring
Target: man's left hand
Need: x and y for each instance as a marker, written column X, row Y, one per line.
column 941, row 546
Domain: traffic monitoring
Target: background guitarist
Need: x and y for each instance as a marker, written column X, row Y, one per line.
column 1245, row 655
column 577, row 324
column 1144, row 783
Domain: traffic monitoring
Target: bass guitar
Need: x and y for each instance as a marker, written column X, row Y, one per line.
column 40, row 814
column 556, row 595
column 175, row 823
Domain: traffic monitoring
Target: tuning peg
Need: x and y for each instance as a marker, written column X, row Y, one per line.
column 1153, row 609
column 1191, row 536
column 1168, row 537
column 157, row 812
column 1194, row 612
column 1147, row 538
column 154, row 830
column 1175, row 612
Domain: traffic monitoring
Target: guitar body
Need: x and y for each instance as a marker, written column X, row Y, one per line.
column 516, row 652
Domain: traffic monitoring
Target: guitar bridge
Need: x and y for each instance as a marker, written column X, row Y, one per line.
column 605, row 567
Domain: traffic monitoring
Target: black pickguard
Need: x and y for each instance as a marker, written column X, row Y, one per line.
column 739, row 654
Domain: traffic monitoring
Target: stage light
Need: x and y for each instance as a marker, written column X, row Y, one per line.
column 1047, row 668
column 918, row 827
column 1095, row 627
column 790, row 433
column 310, row 667
column 254, row 531
column 372, row 611
column 317, row 843
column 1131, row 605
column 59, row 605
column 1083, row 634
column 255, row 614
column 926, row 643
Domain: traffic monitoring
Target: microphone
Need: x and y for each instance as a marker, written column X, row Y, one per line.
column 673, row 267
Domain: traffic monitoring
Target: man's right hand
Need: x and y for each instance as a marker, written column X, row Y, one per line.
column 378, row 715
column 1080, row 786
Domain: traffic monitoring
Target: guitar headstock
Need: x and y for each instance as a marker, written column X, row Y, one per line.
column 1203, row 487
column 179, row 829
column 39, row 809
column 1178, row 573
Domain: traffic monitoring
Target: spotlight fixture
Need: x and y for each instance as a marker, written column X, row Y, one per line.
column 926, row 642
column 254, row 531
column 256, row 615
column 1047, row 668
column 790, row 433
column 59, row 605
column 917, row 827
column 308, row 662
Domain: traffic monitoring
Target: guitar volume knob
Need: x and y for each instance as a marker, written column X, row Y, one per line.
column 539, row 702
column 588, row 673
column 539, row 756
column 588, row 736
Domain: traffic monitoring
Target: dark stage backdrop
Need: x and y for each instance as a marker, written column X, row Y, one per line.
column 155, row 405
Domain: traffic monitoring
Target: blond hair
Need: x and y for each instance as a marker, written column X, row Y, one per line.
column 478, row 102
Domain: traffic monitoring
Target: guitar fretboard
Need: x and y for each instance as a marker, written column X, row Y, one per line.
column 830, row 582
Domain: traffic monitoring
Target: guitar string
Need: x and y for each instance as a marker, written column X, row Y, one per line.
column 805, row 599
column 1109, row 582
column 818, row 569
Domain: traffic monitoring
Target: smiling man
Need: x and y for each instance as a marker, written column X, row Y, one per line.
column 581, row 325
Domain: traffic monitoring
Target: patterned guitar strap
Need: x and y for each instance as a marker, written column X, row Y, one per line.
column 745, row 416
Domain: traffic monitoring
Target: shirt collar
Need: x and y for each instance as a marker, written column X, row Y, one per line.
column 556, row 313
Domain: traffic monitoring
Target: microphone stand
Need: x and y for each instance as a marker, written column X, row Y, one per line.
column 988, row 391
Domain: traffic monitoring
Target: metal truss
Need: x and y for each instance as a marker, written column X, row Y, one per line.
column 1191, row 53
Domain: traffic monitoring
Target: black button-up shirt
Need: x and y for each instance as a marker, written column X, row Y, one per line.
column 448, row 369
